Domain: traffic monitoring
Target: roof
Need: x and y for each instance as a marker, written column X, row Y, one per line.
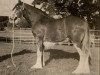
column 3, row 18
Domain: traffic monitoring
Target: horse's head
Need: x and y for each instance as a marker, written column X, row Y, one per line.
column 17, row 12
column 28, row 12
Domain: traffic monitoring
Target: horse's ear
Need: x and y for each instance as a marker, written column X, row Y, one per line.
column 19, row 1
column 23, row 7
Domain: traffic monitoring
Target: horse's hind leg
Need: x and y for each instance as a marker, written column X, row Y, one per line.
column 39, row 61
column 83, row 67
column 43, row 61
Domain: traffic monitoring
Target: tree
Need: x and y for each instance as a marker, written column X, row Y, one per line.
column 87, row 9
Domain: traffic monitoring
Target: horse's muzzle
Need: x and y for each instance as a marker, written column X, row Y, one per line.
column 11, row 20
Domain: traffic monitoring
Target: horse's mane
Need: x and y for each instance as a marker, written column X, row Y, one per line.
column 33, row 8
column 36, row 10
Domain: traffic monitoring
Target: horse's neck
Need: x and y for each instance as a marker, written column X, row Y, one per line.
column 34, row 14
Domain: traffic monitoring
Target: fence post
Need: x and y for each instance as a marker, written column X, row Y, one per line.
column 6, row 39
column 20, row 35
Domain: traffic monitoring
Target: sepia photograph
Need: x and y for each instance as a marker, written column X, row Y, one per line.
column 49, row 37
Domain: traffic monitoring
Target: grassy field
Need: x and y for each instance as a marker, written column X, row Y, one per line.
column 61, row 60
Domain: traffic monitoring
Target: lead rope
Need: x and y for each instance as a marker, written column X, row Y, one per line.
column 13, row 45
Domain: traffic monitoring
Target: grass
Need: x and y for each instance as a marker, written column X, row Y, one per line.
column 61, row 60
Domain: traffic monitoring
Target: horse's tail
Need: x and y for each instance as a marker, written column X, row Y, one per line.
column 86, row 41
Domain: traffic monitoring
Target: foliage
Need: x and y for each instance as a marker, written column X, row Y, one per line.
column 87, row 9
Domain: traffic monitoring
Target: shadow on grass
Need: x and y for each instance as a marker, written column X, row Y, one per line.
column 4, row 57
column 54, row 54
column 59, row 54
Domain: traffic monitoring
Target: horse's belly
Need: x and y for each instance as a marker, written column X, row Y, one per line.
column 49, row 45
column 55, row 35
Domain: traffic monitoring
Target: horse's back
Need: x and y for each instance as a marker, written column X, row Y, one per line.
column 73, row 21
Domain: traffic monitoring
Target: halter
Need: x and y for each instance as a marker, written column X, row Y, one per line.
column 25, row 13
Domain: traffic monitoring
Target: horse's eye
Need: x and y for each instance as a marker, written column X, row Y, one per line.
column 17, row 7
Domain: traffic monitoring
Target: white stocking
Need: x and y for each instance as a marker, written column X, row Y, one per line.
column 39, row 60
column 83, row 67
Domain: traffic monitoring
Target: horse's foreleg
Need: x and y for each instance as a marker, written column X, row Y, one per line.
column 39, row 61
column 43, row 60
column 83, row 67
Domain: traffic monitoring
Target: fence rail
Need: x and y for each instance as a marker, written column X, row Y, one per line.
column 24, row 35
column 95, row 38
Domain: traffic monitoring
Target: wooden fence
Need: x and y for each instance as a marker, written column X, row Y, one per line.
column 25, row 36
column 95, row 38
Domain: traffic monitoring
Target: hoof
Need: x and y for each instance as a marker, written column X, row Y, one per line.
column 81, row 72
column 36, row 67
column 77, row 72
column 43, row 64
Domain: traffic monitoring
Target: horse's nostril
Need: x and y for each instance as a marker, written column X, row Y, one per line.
column 10, row 19
column 15, row 18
